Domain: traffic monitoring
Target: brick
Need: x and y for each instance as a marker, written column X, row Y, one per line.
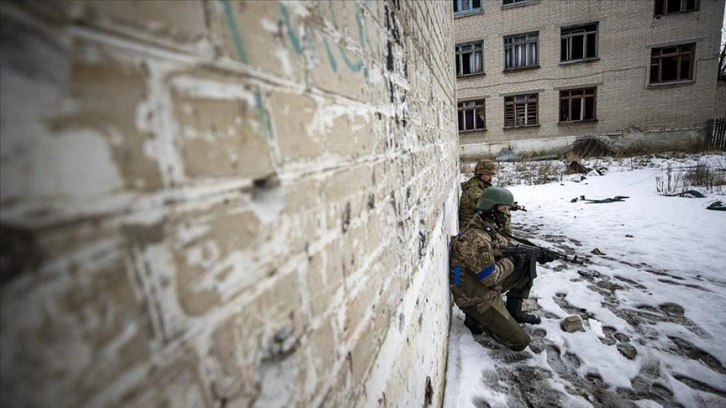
column 171, row 20
column 107, row 89
column 233, row 358
column 302, row 194
column 222, row 134
column 359, row 304
column 294, row 124
column 177, row 383
column 61, row 327
column 256, row 33
column 204, row 242
column 339, row 71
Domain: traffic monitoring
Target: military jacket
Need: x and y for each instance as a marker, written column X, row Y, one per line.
column 470, row 192
column 477, row 267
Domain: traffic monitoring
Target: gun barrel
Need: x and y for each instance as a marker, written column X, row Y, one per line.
column 536, row 251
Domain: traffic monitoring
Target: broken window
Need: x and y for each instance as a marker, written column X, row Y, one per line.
column 469, row 58
column 471, row 115
column 664, row 7
column 669, row 64
column 578, row 42
column 463, row 6
column 577, row 105
column 520, row 110
column 520, row 50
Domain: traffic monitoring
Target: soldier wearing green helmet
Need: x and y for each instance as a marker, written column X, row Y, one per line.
column 480, row 274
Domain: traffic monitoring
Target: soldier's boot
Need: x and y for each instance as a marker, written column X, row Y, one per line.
column 514, row 307
column 473, row 325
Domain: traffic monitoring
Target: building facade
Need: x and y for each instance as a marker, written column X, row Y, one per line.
column 226, row 203
column 536, row 75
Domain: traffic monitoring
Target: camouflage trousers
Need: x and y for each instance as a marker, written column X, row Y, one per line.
column 495, row 318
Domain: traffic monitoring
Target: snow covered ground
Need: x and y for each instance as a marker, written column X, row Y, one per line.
column 653, row 302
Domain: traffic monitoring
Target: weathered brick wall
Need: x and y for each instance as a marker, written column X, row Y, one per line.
column 225, row 203
column 626, row 104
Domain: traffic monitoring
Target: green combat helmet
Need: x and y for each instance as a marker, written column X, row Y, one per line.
column 494, row 196
column 484, row 167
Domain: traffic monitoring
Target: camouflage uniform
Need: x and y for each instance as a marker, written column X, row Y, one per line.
column 479, row 275
column 472, row 189
column 470, row 192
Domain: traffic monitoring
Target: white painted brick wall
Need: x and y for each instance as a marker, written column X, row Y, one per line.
column 226, row 203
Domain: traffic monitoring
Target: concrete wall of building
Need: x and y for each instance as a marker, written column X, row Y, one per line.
column 626, row 104
column 226, row 203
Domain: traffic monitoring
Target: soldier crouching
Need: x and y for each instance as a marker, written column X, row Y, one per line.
column 480, row 274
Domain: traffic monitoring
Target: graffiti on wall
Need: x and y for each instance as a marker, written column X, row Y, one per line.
column 350, row 63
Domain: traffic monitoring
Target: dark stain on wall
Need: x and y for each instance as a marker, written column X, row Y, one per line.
column 346, row 217
column 429, row 392
column 19, row 253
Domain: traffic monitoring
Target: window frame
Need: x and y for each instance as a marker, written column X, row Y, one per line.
column 470, row 10
column 569, row 37
column 459, row 63
column 511, row 104
column 683, row 7
column 582, row 98
column 657, row 61
column 515, row 41
column 516, row 3
column 478, row 104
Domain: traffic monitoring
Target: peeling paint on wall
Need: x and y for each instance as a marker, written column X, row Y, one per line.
column 229, row 203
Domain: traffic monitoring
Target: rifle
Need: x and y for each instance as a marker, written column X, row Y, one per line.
column 517, row 207
column 537, row 254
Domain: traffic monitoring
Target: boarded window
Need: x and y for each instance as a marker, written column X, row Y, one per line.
column 578, row 42
column 520, row 110
column 669, row 64
column 472, row 115
column 469, row 58
column 577, row 105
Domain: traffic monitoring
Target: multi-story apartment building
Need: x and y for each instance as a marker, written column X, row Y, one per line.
column 536, row 75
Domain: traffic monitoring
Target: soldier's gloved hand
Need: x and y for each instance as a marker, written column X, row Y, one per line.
column 519, row 260
column 544, row 258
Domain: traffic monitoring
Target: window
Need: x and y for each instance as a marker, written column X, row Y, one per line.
column 577, row 105
column 578, row 42
column 663, row 7
column 669, row 64
column 520, row 51
column 471, row 115
column 469, row 58
column 520, row 110
column 506, row 2
column 464, row 6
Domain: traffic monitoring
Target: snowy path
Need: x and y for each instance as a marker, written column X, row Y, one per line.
column 653, row 304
